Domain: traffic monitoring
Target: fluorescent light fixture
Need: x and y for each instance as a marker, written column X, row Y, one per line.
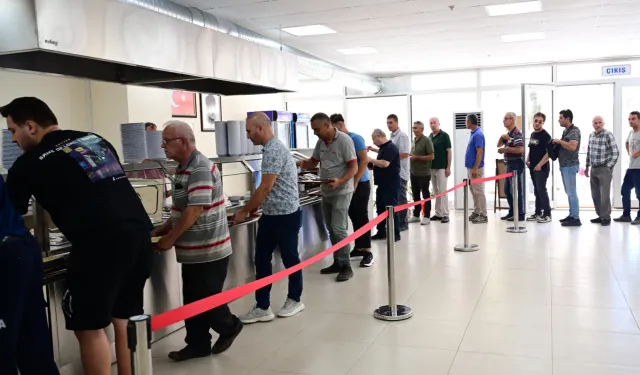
column 514, row 8
column 358, row 51
column 309, row 30
column 522, row 37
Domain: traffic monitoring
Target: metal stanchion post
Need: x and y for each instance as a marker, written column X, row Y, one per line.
column 466, row 246
column 516, row 228
column 392, row 311
column 139, row 338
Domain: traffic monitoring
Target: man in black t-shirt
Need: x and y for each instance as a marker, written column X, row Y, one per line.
column 386, row 176
column 539, row 167
column 77, row 177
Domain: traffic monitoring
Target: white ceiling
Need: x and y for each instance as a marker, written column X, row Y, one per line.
column 425, row 35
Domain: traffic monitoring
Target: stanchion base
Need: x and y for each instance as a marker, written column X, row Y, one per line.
column 516, row 230
column 468, row 248
column 385, row 313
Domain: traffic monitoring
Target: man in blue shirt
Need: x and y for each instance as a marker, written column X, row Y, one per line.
column 474, row 162
column 25, row 344
column 359, row 207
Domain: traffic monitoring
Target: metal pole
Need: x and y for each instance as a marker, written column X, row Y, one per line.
column 392, row 311
column 466, row 246
column 516, row 228
column 139, row 338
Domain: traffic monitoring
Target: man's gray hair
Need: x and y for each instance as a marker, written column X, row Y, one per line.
column 419, row 123
column 513, row 114
column 182, row 128
column 380, row 133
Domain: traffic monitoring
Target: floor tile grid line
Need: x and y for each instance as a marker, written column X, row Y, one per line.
column 365, row 351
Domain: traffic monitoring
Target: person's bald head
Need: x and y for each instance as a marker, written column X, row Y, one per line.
column 598, row 124
column 259, row 129
column 434, row 124
column 178, row 141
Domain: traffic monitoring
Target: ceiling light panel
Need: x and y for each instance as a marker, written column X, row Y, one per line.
column 513, row 8
column 522, row 37
column 309, row 30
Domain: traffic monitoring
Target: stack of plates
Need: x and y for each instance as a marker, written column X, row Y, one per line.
column 134, row 142
column 10, row 150
column 154, row 145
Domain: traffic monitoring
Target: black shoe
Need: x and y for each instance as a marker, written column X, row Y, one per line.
column 623, row 219
column 445, row 220
column 367, row 260
column 404, row 229
column 334, row 268
column 575, row 222
column 397, row 238
column 345, row 273
column 568, row 218
column 224, row 342
column 509, row 217
column 379, row 236
column 357, row 253
column 606, row 222
column 596, row 221
column 189, row 352
column 436, row 218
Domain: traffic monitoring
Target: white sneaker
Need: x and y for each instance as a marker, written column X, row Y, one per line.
column 414, row 219
column 290, row 308
column 544, row 219
column 257, row 315
column 425, row 221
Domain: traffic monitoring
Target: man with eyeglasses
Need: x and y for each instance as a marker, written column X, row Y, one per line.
column 539, row 167
column 421, row 156
column 512, row 146
column 199, row 230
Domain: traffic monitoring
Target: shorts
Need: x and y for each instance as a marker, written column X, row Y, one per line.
column 106, row 279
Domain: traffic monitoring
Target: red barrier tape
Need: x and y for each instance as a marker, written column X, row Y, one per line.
column 487, row 179
column 409, row 205
column 187, row 311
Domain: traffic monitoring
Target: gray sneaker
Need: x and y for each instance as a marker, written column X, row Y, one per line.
column 257, row 315
column 480, row 219
column 290, row 308
column 473, row 216
column 636, row 221
column 425, row 221
column 414, row 219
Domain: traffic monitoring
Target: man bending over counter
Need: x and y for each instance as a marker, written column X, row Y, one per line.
column 199, row 230
column 337, row 158
column 77, row 177
column 281, row 219
column 25, row 344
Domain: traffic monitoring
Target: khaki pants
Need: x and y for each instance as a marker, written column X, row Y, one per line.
column 439, row 181
column 477, row 192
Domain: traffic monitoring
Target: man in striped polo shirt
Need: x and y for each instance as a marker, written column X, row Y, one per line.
column 512, row 146
column 199, row 231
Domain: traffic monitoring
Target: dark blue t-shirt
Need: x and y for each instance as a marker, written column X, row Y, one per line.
column 10, row 221
column 359, row 144
column 389, row 177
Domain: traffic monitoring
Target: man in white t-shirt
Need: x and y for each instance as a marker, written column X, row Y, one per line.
column 632, row 177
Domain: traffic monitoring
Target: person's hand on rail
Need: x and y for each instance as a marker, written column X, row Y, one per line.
column 165, row 243
column 239, row 216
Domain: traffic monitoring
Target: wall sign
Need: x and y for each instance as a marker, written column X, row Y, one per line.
column 616, row 70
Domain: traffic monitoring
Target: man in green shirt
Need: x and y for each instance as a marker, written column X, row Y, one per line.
column 440, row 169
column 421, row 156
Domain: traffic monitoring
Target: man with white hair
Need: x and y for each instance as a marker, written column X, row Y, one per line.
column 512, row 146
column 440, row 169
column 386, row 176
column 199, row 231
column 421, row 157
column 602, row 156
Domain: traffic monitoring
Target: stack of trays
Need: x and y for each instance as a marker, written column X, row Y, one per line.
column 10, row 151
column 134, row 142
column 154, row 145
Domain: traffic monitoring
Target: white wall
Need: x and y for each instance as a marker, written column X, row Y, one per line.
column 236, row 107
column 109, row 109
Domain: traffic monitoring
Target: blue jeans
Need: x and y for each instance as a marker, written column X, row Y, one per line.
column 631, row 181
column 518, row 167
column 569, row 174
column 25, row 343
column 279, row 231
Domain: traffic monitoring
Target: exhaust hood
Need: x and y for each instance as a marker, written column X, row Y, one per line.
column 108, row 40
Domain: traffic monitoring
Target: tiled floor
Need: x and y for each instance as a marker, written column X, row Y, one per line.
column 551, row 301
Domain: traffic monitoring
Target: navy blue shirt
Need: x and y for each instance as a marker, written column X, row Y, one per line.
column 389, row 177
column 10, row 221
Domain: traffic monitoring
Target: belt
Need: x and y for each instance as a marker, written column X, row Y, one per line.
column 9, row 238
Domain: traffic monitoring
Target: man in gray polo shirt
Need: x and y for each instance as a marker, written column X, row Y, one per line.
column 337, row 157
column 280, row 222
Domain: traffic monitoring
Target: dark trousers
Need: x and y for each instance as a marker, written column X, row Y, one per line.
column 518, row 167
column 631, row 181
column 25, row 343
column 359, row 213
column 539, row 179
column 402, row 199
column 420, row 185
column 279, row 231
column 387, row 197
column 202, row 280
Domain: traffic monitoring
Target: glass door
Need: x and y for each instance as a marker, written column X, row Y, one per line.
column 536, row 98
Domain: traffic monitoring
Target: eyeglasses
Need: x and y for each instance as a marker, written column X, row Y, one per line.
column 165, row 141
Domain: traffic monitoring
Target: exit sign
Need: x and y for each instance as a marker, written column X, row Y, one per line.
column 616, row 70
